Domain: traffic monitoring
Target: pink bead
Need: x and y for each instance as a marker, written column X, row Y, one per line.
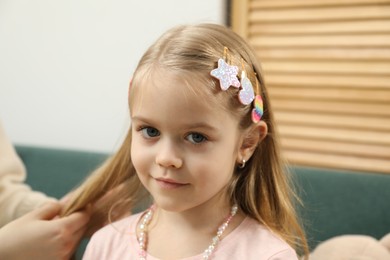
column 142, row 253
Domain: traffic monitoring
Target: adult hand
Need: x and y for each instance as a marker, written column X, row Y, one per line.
column 40, row 234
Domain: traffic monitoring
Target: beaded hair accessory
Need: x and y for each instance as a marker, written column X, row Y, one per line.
column 227, row 76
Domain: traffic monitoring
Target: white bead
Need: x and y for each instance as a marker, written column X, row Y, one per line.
column 206, row 254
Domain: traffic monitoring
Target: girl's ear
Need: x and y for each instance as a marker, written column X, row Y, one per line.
column 251, row 138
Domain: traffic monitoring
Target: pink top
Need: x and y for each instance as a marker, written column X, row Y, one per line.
column 250, row 241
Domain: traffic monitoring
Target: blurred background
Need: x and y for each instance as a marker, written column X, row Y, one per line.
column 327, row 68
column 65, row 66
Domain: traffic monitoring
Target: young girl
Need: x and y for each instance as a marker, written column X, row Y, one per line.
column 202, row 142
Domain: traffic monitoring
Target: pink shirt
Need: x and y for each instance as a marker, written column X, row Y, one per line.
column 249, row 241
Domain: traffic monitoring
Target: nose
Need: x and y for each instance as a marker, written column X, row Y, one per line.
column 168, row 156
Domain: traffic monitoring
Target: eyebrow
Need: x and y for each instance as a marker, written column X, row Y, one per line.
column 189, row 126
column 200, row 125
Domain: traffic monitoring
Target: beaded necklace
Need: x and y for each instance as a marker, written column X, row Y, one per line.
column 143, row 227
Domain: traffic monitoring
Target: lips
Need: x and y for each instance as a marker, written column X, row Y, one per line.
column 169, row 183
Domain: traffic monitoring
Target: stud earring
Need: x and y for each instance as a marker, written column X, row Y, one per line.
column 242, row 165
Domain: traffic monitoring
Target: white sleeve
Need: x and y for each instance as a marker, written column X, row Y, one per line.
column 16, row 197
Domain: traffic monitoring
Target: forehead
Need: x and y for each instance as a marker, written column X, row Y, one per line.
column 164, row 81
column 178, row 95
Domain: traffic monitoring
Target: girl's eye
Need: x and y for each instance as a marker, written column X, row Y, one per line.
column 196, row 138
column 150, row 132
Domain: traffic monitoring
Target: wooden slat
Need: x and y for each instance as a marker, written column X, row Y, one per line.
column 340, row 120
column 331, row 107
column 317, row 3
column 361, row 95
column 318, row 28
column 240, row 22
column 340, row 81
column 320, row 14
column 342, row 41
column 337, row 161
column 327, row 67
column 334, row 134
column 332, row 147
column 327, row 54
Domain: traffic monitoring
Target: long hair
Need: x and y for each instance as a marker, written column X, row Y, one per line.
column 262, row 189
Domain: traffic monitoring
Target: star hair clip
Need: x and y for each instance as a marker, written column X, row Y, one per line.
column 227, row 76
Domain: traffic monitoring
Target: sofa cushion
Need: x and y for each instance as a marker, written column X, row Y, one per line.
column 335, row 202
column 341, row 202
column 57, row 171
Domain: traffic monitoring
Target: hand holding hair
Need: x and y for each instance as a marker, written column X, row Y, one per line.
column 101, row 211
column 40, row 234
column 108, row 200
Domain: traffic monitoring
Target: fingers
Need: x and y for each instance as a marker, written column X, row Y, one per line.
column 76, row 221
column 79, row 233
column 76, row 237
column 46, row 212
column 66, row 198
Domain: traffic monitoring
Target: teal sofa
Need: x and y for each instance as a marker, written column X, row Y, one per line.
column 335, row 202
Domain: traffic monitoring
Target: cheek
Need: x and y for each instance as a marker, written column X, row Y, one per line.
column 138, row 156
column 224, row 163
column 213, row 169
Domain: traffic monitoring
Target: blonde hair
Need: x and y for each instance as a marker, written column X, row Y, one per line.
column 262, row 189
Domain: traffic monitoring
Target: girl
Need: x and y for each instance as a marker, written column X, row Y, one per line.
column 203, row 145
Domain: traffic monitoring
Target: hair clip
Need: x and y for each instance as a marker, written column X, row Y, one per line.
column 258, row 110
column 246, row 94
column 227, row 76
column 225, row 73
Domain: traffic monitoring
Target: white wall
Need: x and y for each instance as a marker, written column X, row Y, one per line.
column 65, row 64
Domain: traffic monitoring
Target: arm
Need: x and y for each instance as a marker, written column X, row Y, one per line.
column 16, row 198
